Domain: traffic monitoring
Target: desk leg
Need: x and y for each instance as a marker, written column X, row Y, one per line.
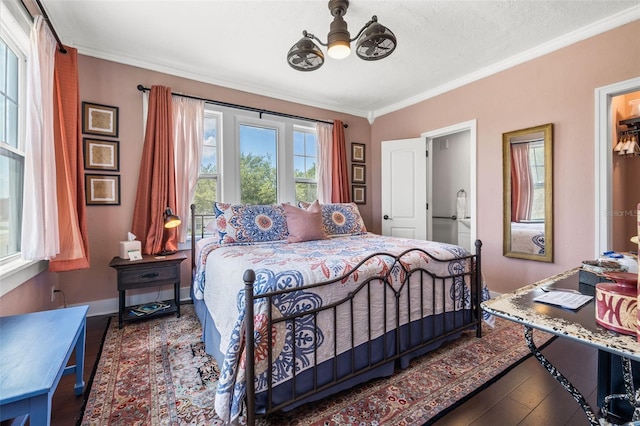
column 80, row 346
column 631, row 395
column 575, row 393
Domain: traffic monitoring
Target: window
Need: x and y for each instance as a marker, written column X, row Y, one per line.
column 258, row 165
column 536, row 166
column 14, row 46
column 305, row 160
column 207, row 187
column 11, row 155
column 255, row 161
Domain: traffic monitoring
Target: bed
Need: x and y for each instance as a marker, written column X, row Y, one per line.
column 527, row 237
column 328, row 312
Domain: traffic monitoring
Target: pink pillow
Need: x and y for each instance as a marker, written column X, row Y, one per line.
column 304, row 225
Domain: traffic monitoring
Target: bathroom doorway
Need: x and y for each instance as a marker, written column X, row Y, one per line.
column 605, row 131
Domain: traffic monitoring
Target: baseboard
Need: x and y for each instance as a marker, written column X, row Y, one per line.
column 110, row 306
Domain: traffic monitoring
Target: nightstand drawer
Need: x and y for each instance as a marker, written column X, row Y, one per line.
column 151, row 274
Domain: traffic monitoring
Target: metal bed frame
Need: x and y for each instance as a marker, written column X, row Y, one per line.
column 407, row 340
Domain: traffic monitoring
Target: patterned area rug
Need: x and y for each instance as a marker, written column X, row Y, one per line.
column 156, row 373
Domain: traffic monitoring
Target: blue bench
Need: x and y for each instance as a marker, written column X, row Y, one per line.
column 34, row 351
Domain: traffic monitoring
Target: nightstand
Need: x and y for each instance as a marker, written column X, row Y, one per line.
column 150, row 271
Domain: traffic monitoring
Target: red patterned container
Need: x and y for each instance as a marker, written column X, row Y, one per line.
column 617, row 307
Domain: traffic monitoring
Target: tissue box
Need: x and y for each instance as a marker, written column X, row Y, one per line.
column 126, row 246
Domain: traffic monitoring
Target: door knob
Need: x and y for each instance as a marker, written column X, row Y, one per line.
column 386, row 217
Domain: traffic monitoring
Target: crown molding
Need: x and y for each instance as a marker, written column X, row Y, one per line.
column 599, row 27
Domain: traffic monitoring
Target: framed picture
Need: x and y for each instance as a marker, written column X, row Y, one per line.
column 357, row 173
column 102, row 190
column 99, row 119
column 101, row 155
column 357, row 152
column 359, row 194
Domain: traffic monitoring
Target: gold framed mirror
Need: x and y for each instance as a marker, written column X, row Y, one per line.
column 527, row 176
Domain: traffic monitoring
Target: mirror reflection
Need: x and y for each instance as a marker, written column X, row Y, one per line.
column 528, row 193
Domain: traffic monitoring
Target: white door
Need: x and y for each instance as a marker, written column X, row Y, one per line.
column 404, row 188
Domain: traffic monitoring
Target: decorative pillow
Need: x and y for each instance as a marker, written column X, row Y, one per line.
column 340, row 218
column 304, row 225
column 244, row 223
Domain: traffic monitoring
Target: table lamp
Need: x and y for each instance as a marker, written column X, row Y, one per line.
column 170, row 221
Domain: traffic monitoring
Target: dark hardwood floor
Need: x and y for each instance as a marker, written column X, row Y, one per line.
column 527, row 395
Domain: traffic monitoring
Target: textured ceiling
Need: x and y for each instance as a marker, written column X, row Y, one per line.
column 243, row 44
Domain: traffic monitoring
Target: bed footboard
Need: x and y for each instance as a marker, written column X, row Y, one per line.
column 416, row 319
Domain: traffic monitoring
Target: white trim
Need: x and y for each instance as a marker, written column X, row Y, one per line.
column 15, row 273
column 611, row 22
column 470, row 126
column 604, row 159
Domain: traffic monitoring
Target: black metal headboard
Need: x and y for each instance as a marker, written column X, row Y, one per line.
column 198, row 223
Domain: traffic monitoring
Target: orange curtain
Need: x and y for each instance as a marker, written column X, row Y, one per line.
column 339, row 177
column 156, row 182
column 521, row 184
column 72, row 220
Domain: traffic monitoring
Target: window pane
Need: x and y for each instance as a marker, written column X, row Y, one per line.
column 12, row 76
column 306, row 191
column 258, row 170
column 3, row 66
column 12, row 124
column 205, row 195
column 11, row 179
column 209, row 163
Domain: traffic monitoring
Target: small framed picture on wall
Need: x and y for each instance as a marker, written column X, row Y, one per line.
column 358, row 173
column 101, row 155
column 357, row 152
column 102, row 190
column 359, row 194
column 99, row 119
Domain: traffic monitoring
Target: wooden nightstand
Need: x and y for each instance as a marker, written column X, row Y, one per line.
column 150, row 271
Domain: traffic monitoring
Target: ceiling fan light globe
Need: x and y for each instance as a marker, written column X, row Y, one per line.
column 339, row 50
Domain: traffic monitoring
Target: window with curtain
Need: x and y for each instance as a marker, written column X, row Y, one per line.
column 257, row 161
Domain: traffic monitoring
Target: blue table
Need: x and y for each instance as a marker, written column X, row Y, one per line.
column 34, row 351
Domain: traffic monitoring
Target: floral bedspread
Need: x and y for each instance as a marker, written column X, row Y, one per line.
column 278, row 265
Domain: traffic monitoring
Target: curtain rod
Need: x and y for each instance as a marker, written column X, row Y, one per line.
column 243, row 107
column 61, row 47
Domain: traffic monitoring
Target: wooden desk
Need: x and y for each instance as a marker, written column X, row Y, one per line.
column 34, row 351
column 578, row 325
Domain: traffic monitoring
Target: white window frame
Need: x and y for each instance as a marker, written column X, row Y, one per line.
column 15, row 27
column 229, row 153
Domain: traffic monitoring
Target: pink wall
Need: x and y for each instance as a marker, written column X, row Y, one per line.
column 115, row 84
column 557, row 88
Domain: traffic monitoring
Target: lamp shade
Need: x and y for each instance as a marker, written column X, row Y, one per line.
column 170, row 219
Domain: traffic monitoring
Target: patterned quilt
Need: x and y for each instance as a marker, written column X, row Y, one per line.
column 279, row 265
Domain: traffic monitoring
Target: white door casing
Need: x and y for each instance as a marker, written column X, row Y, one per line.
column 404, row 188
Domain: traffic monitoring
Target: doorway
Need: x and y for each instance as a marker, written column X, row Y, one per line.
column 416, row 209
column 604, row 131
